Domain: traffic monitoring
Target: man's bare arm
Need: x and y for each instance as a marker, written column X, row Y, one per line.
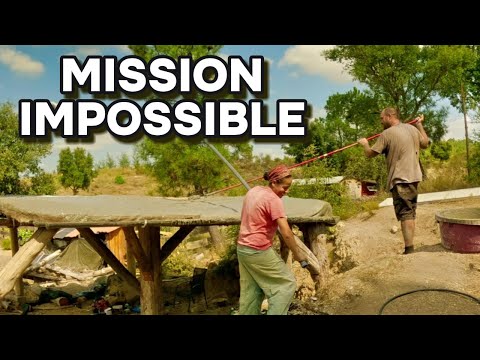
column 369, row 153
column 424, row 141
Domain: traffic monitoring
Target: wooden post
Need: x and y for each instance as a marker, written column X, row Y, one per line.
column 15, row 246
column 315, row 234
column 151, row 296
column 137, row 250
column 23, row 258
column 131, row 263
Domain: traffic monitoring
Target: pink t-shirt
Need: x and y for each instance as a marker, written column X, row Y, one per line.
column 260, row 211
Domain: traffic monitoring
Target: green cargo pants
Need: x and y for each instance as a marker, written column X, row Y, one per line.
column 264, row 274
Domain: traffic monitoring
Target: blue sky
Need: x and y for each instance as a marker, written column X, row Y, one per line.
column 296, row 72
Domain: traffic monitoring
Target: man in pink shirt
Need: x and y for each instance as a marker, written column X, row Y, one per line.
column 262, row 271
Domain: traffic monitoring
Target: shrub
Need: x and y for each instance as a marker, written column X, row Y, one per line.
column 23, row 236
column 119, row 180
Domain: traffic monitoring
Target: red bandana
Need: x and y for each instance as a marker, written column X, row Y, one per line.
column 278, row 173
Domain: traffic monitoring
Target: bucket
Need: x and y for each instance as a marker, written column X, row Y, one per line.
column 460, row 229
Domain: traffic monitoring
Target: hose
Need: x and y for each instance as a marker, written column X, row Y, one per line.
column 418, row 290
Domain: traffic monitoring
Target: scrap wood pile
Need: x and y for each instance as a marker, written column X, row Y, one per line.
column 77, row 261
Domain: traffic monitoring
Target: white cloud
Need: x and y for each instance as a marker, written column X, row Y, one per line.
column 318, row 112
column 456, row 127
column 310, row 60
column 19, row 62
column 272, row 149
column 122, row 48
column 100, row 142
column 103, row 144
column 85, row 50
column 225, row 58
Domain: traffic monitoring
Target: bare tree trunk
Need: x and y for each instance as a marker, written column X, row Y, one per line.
column 464, row 109
column 217, row 239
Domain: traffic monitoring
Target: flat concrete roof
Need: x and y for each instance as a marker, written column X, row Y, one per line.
column 128, row 210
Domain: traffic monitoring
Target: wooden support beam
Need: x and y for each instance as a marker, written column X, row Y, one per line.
column 315, row 235
column 132, row 240
column 7, row 222
column 151, row 297
column 23, row 258
column 15, row 246
column 131, row 262
column 156, row 252
column 109, row 257
column 175, row 240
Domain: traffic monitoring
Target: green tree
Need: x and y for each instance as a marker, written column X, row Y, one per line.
column 124, row 161
column 197, row 171
column 18, row 159
column 409, row 77
column 459, row 86
column 186, row 168
column 75, row 169
column 110, row 162
column 43, row 183
column 441, row 150
column 350, row 116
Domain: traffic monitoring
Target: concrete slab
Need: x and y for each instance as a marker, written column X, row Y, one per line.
column 440, row 195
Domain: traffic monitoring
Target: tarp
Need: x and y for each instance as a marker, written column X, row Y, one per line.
column 79, row 256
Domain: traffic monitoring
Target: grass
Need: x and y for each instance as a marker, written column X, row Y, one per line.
column 352, row 207
column 108, row 183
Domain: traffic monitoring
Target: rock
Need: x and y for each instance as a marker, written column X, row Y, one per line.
column 119, row 291
column 394, row 229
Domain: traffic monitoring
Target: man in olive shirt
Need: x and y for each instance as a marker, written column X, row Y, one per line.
column 401, row 144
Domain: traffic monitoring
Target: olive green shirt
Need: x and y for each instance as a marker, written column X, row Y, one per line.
column 401, row 146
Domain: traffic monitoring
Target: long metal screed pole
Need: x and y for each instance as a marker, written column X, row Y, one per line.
column 303, row 263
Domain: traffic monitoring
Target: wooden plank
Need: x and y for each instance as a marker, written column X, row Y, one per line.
column 7, row 222
column 45, row 260
column 23, row 258
column 109, row 257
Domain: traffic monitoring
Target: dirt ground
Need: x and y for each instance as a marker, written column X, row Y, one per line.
column 369, row 274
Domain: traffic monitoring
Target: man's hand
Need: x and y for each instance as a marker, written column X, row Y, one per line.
column 363, row 142
column 366, row 148
column 419, row 118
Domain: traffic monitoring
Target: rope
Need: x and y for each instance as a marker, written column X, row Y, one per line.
column 418, row 290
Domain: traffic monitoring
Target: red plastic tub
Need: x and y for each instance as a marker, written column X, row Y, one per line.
column 460, row 229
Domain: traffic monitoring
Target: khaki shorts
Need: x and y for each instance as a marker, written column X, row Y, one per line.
column 405, row 200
